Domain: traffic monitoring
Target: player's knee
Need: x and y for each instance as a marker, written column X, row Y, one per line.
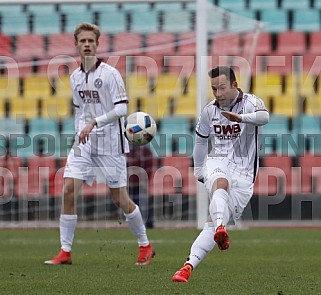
column 220, row 183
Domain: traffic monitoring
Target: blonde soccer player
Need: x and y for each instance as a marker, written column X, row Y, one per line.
column 100, row 101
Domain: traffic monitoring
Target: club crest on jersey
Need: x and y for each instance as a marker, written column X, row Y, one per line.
column 98, row 83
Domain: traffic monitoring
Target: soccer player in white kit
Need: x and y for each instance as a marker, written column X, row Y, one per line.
column 99, row 150
column 232, row 124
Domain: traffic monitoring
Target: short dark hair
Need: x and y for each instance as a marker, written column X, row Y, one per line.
column 223, row 70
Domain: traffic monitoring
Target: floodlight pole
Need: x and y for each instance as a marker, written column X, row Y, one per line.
column 201, row 99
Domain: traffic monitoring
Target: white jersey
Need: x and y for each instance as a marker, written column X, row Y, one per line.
column 96, row 93
column 239, row 142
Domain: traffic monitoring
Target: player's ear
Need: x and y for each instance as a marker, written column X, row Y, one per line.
column 234, row 84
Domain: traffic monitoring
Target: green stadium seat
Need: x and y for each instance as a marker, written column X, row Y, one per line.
column 172, row 25
column 159, row 6
column 104, row 7
column 276, row 20
column 74, row 8
column 113, row 23
column 317, row 4
column 135, row 7
column 15, row 23
column 74, row 19
column 39, row 8
column 144, row 22
column 263, row 4
column 273, row 135
column 47, row 23
column 232, row 5
column 290, row 4
column 11, row 9
column 306, row 20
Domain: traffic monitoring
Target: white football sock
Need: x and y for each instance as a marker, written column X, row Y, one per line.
column 218, row 208
column 67, row 230
column 203, row 244
column 136, row 224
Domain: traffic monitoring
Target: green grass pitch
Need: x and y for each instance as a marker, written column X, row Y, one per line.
column 259, row 261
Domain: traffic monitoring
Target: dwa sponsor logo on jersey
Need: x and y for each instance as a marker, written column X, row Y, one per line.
column 227, row 132
column 89, row 96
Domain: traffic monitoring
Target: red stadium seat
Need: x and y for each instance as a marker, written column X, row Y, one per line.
column 127, row 42
column 61, row 44
column 288, row 179
column 10, row 174
column 30, row 46
column 315, row 42
column 187, row 44
column 226, row 45
column 39, row 172
column 162, row 43
column 291, row 42
column 5, row 47
column 310, row 173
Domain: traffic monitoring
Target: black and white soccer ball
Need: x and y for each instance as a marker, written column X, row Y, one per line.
column 140, row 128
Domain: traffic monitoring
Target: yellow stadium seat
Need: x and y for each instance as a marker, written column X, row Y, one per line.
column 8, row 87
column 62, row 86
column 137, row 86
column 37, row 87
column 24, row 107
column 313, row 105
column 286, row 105
column 267, row 84
column 56, row 107
column 168, row 84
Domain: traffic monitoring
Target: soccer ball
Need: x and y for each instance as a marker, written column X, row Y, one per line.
column 140, row 128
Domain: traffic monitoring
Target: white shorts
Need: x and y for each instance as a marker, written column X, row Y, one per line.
column 240, row 188
column 109, row 169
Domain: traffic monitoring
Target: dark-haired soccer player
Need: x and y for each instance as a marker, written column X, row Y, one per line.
column 232, row 123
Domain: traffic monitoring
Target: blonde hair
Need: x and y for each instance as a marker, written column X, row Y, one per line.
column 87, row 27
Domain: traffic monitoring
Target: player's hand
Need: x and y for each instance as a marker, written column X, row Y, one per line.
column 232, row 116
column 84, row 134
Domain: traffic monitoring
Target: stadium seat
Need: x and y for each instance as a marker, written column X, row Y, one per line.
column 315, row 42
column 74, row 7
column 184, row 165
column 171, row 25
column 139, row 19
column 104, row 7
column 12, row 164
column 276, row 20
column 14, row 22
column 159, row 6
column 40, row 8
column 26, row 108
column 187, row 44
column 8, row 87
column 306, row 131
column 5, row 46
column 37, row 86
column 262, row 4
column 275, row 134
column 291, row 42
column 127, row 41
column 61, row 44
column 30, row 46
column 46, row 23
column 310, row 173
column 113, row 23
column 317, row 4
column 306, row 20
column 73, row 19
column 267, row 84
column 232, row 5
column 286, row 180
column 290, row 4
column 226, row 45
column 161, row 43
column 55, row 107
